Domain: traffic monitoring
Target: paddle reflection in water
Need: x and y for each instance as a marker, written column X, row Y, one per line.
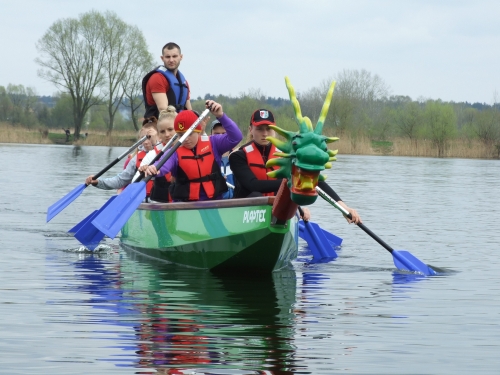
column 184, row 320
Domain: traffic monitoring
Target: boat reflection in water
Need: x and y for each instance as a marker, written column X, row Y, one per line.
column 184, row 319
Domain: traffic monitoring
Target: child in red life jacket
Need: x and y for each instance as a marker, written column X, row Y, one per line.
column 165, row 126
column 125, row 177
column 196, row 164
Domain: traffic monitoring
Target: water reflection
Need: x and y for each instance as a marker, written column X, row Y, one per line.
column 77, row 150
column 187, row 319
column 403, row 278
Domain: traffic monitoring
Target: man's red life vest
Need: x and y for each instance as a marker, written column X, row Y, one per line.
column 196, row 170
column 256, row 163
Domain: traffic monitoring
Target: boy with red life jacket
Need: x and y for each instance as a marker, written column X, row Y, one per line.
column 165, row 126
column 249, row 164
column 196, row 164
column 125, row 177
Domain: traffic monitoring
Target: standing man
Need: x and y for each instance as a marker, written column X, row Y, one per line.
column 166, row 85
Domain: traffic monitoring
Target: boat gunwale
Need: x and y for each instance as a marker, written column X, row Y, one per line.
column 198, row 205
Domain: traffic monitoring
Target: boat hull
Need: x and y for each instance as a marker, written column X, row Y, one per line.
column 226, row 235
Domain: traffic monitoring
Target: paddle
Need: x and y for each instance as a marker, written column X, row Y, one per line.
column 89, row 235
column 316, row 240
column 62, row 203
column 403, row 259
column 111, row 220
column 86, row 232
column 155, row 159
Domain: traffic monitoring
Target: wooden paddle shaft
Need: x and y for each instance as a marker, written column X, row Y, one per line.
column 158, row 156
column 112, row 164
column 346, row 213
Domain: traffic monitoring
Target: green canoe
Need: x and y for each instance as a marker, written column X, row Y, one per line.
column 223, row 235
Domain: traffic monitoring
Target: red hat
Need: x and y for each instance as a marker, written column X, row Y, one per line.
column 184, row 120
column 262, row 117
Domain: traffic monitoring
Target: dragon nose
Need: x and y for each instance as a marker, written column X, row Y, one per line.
column 311, row 158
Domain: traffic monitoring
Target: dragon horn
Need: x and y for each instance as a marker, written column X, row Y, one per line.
column 279, row 144
column 284, row 133
column 296, row 107
column 330, row 139
column 308, row 123
column 324, row 110
column 276, row 161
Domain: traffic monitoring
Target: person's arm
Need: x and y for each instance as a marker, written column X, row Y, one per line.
column 245, row 177
column 161, row 100
column 158, row 86
column 121, row 180
column 169, row 166
column 227, row 141
column 224, row 142
column 188, row 101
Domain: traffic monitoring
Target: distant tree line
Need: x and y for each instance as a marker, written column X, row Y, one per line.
column 361, row 106
column 20, row 106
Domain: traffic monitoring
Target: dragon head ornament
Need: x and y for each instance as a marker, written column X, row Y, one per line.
column 303, row 154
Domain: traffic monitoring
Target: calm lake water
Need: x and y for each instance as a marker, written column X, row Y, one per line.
column 65, row 311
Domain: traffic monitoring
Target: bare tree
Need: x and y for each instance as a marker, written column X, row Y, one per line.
column 132, row 87
column 311, row 101
column 361, row 85
column 23, row 102
column 125, row 51
column 17, row 94
column 73, row 54
column 355, row 98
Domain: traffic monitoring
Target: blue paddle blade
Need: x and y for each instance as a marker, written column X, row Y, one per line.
column 316, row 240
column 112, row 218
column 89, row 236
column 62, row 203
column 333, row 239
column 77, row 227
column 406, row 261
column 87, row 233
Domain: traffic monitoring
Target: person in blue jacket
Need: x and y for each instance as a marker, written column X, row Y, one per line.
column 217, row 128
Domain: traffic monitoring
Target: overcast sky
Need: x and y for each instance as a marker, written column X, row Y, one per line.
column 439, row 49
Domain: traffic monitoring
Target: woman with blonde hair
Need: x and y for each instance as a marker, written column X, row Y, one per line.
column 165, row 126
